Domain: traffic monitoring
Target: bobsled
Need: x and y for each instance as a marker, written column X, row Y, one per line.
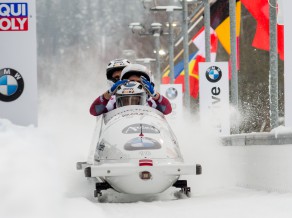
column 134, row 151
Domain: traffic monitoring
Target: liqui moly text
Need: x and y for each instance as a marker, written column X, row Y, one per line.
column 13, row 17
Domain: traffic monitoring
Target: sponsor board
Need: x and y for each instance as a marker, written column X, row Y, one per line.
column 173, row 92
column 214, row 96
column 18, row 62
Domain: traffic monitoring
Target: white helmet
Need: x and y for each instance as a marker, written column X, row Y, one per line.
column 136, row 69
column 131, row 93
column 114, row 65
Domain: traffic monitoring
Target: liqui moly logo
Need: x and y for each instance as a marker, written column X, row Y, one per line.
column 13, row 17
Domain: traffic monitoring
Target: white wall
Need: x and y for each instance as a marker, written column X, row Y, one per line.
column 266, row 167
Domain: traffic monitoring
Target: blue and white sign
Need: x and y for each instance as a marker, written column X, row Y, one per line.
column 173, row 92
column 11, row 85
column 18, row 62
column 214, row 96
column 213, row 74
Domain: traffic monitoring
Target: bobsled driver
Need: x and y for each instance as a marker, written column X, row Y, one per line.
column 138, row 78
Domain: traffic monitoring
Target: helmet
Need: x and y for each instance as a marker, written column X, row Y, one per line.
column 131, row 93
column 114, row 65
column 136, row 69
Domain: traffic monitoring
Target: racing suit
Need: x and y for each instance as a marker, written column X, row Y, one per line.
column 102, row 105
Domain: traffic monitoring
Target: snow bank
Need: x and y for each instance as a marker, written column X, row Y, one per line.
column 280, row 130
column 29, row 173
column 202, row 145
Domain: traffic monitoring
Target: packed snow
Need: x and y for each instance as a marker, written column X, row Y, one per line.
column 281, row 130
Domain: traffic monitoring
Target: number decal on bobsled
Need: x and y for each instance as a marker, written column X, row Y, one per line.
column 145, row 153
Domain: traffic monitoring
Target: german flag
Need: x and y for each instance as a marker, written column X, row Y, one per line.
column 220, row 21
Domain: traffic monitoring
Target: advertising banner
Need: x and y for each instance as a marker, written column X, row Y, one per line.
column 173, row 92
column 214, row 96
column 18, row 62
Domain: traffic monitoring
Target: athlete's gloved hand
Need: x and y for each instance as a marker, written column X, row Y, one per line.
column 148, row 86
column 115, row 86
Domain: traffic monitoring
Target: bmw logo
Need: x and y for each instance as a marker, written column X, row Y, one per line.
column 171, row 93
column 11, row 84
column 213, row 74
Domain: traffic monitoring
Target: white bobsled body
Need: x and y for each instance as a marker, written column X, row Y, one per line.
column 136, row 140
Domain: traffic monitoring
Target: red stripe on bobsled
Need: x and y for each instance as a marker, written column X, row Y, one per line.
column 145, row 162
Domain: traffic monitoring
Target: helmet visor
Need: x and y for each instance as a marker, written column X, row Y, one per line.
column 137, row 99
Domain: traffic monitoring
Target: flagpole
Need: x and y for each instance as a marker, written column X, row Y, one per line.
column 157, row 48
column 171, row 44
column 157, row 31
column 233, row 54
column 186, row 54
column 273, row 74
column 207, row 30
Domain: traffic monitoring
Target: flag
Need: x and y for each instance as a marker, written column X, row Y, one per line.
column 220, row 21
column 178, row 72
column 259, row 9
column 199, row 42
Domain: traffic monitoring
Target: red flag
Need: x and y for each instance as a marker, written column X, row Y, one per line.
column 280, row 31
column 259, row 9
